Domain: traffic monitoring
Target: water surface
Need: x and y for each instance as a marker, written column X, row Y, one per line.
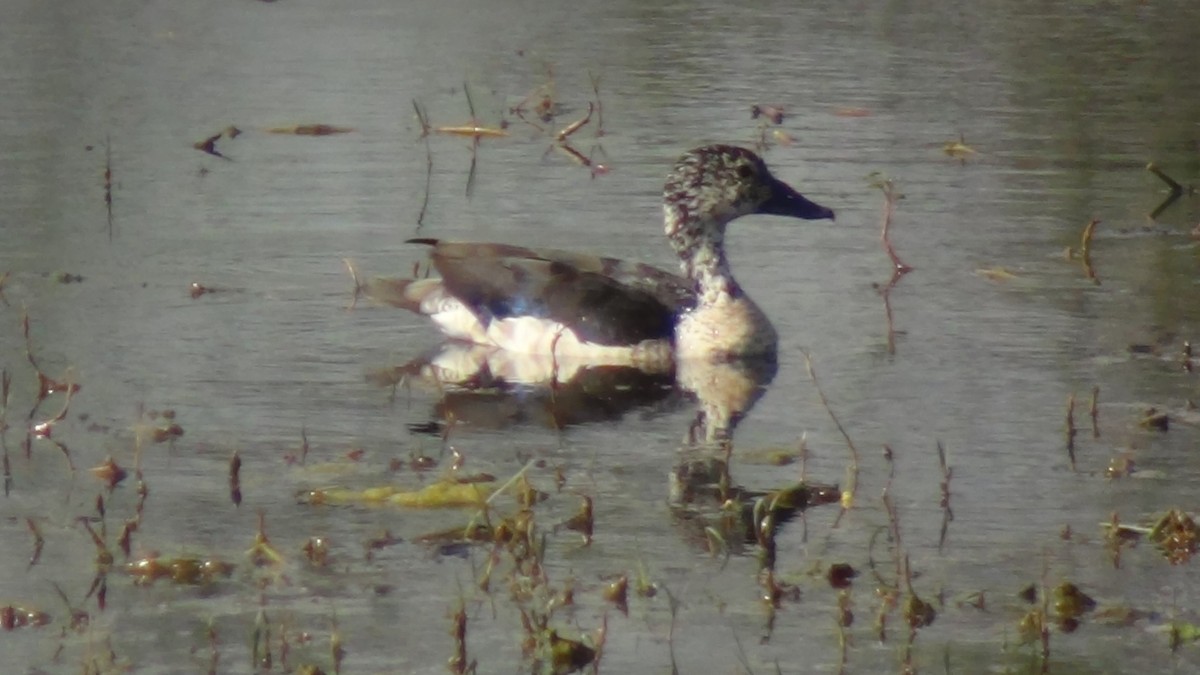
column 1064, row 106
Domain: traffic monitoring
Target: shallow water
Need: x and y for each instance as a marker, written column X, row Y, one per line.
column 1064, row 106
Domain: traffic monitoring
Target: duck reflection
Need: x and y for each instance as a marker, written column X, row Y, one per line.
column 488, row 388
column 495, row 389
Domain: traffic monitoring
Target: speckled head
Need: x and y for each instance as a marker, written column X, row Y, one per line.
column 715, row 184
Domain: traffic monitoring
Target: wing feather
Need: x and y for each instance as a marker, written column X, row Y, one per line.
column 604, row 300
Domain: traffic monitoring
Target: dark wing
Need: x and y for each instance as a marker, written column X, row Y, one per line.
column 604, row 300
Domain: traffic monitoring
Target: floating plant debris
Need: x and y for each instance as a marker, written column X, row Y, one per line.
column 316, row 551
column 851, row 112
column 471, row 130
column 772, row 113
column 996, row 273
column 310, row 130
column 566, row 655
column 209, row 145
column 182, row 571
column 263, row 553
column 443, row 494
column 1155, row 419
column 109, row 473
column 197, row 289
column 958, row 149
column 583, row 521
column 617, row 593
column 13, row 617
column 1120, row 466
column 235, row 480
column 841, row 575
column 1175, row 534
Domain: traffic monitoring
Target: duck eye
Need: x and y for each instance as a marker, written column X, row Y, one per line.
column 744, row 171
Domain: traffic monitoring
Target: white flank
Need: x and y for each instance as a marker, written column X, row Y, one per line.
column 526, row 334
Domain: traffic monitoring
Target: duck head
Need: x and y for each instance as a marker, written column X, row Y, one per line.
column 714, row 184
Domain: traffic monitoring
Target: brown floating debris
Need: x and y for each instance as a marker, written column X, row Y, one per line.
column 995, row 273
column 109, row 473
column 1071, row 431
column 618, row 593
column 1154, row 419
column 38, row 541
column 471, row 130
column 576, row 125
column 125, row 540
column 890, row 198
column 772, row 113
column 595, row 80
column 1120, row 466
column 316, row 551
column 597, row 168
column 958, row 149
column 947, row 512
column 310, row 130
column 566, row 655
column 1175, row 192
column 1176, row 536
column 841, row 575
column 1175, row 187
column 209, row 145
column 1070, row 604
column 108, row 184
column 263, row 553
column 235, row 480
column 13, row 617
column 1085, row 250
column 852, row 112
column 459, row 662
column 583, row 522
column 182, row 571
column 917, row 612
column 197, row 289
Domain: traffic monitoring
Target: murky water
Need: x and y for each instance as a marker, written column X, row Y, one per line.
column 1063, row 106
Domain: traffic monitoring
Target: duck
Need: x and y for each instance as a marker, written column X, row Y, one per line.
column 557, row 304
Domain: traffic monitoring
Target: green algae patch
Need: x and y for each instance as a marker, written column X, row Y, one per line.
column 448, row 493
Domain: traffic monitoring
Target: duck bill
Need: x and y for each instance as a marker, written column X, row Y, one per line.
column 785, row 201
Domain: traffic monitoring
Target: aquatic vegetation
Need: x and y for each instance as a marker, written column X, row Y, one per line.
column 183, row 571
column 996, row 273
column 109, row 473
column 209, row 145
column 1175, row 190
column 1155, row 419
column 958, row 149
column 448, row 493
column 1175, row 534
column 13, row 617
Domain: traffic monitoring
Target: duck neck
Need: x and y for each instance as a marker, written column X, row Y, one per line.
column 708, row 267
column 700, row 245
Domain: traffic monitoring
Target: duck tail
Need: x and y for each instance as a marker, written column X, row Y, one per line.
column 399, row 292
column 403, row 292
